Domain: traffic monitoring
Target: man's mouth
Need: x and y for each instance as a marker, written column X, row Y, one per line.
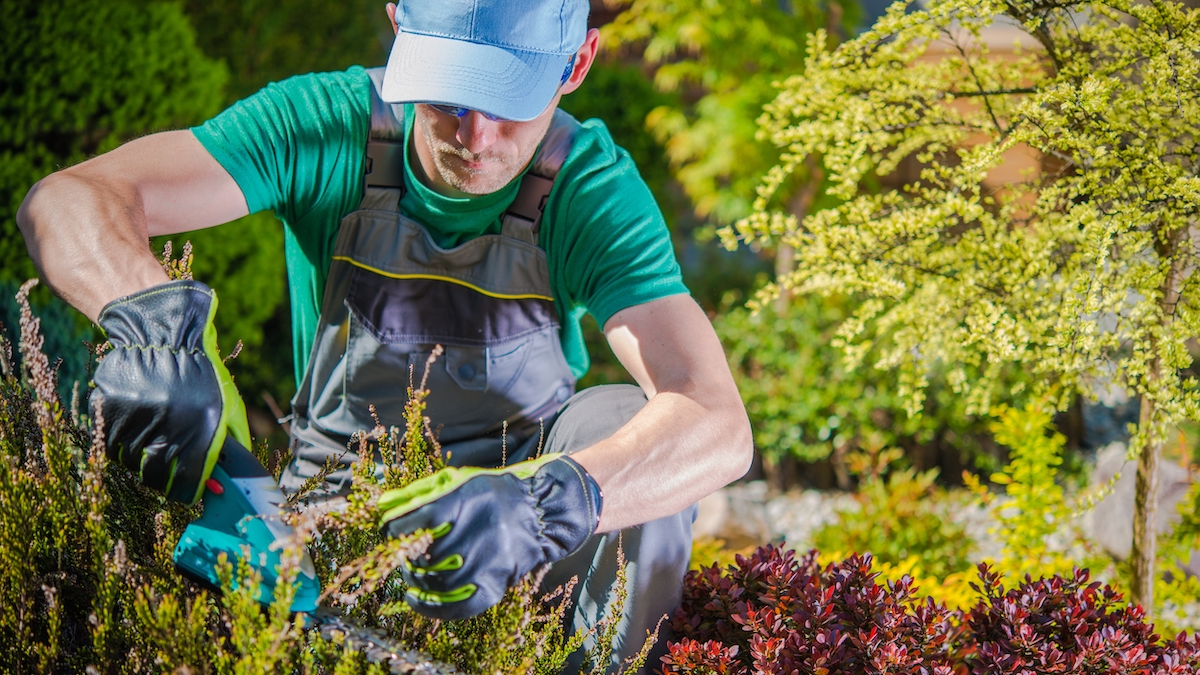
column 473, row 163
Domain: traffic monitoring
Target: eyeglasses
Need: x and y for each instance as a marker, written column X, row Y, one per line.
column 459, row 111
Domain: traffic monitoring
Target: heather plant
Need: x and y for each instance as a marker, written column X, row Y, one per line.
column 1076, row 274
column 87, row 580
column 359, row 568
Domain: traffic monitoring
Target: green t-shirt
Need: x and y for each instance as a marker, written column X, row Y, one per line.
column 297, row 147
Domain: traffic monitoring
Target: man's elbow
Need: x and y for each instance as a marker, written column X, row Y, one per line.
column 28, row 205
column 741, row 448
column 60, row 187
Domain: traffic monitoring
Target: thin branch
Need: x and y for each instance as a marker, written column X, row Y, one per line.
column 987, row 102
column 993, row 92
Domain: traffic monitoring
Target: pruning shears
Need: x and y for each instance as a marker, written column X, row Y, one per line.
column 243, row 520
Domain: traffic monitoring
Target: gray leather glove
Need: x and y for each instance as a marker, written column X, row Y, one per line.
column 490, row 527
column 167, row 399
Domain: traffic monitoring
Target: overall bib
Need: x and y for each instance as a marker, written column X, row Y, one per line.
column 393, row 294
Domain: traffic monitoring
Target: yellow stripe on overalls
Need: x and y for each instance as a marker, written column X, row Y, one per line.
column 392, row 275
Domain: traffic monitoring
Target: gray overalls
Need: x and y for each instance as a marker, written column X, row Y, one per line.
column 392, row 294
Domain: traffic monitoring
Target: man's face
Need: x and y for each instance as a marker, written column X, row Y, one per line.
column 472, row 154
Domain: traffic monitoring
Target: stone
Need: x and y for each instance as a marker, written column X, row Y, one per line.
column 1112, row 519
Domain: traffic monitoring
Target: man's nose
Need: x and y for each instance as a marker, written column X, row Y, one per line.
column 475, row 132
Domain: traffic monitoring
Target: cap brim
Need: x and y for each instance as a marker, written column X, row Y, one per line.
column 510, row 84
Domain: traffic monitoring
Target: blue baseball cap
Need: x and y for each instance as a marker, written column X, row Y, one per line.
column 502, row 57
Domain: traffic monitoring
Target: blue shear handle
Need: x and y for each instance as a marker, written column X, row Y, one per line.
column 238, row 462
column 242, row 513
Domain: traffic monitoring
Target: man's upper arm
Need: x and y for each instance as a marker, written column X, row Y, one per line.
column 180, row 186
column 669, row 345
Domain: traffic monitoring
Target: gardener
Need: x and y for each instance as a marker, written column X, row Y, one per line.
column 475, row 216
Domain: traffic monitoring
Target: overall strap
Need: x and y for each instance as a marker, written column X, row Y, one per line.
column 383, row 179
column 523, row 219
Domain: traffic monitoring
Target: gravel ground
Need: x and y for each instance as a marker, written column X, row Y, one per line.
column 746, row 513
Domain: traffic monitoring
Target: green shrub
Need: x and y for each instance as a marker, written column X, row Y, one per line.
column 901, row 515
column 808, row 400
column 76, row 83
column 1037, row 507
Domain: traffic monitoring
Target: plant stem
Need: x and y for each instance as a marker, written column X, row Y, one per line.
column 1145, row 503
column 1145, row 514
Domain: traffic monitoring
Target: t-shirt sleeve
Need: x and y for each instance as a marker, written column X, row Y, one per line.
column 611, row 248
column 287, row 145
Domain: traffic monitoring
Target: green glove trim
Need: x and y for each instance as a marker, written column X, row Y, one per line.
column 454, row 562
column 233, row 409
column 437, row 598
column 396, row 503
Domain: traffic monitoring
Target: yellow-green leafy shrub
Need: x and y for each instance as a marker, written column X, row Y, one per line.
column 1078, row 272
column 900, row 515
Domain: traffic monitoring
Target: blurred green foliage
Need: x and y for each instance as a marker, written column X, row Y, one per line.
column 263, row 41
column 724, row 58
column 75, row 83
column 900, row 515
column 806, row 401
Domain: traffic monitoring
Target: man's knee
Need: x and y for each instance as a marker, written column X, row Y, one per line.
column 593, row 415
column 657, row 556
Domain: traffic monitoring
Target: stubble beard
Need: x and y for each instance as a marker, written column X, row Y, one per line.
column 449, row 161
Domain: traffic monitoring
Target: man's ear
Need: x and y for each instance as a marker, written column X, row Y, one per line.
column 390, row 8
column 584, row 58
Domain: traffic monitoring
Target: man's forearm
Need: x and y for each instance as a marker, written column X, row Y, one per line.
column 674, row 452
column 87, row 227
column 88, row 239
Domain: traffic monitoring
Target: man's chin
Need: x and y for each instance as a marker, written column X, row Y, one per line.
column 479, row 182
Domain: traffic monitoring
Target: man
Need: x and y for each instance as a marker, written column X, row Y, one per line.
column 442, row 202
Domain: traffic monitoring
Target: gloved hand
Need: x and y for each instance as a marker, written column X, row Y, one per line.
column 491, row 527
column 167, row 399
